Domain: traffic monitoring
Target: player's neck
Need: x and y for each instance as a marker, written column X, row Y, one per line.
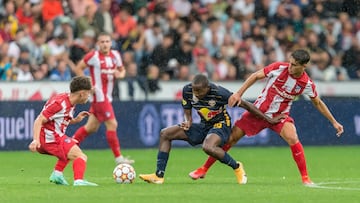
column 296, row 75
column 105, row 53
column 73, row 98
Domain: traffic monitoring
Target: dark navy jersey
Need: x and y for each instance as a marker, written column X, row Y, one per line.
column 211, row 108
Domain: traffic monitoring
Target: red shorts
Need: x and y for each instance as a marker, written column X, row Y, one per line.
column 252, row 125
column 103, row 111
column 59, row 148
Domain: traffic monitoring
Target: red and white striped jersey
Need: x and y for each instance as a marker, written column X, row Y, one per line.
column 281, row 89
column 102, row 69
column 59, row 112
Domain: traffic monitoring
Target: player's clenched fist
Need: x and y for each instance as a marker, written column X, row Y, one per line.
column 34, row 145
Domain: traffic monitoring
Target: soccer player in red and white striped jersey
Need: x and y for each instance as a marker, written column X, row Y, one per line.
column 285, row 81
column 105, row 65
column 50, row 137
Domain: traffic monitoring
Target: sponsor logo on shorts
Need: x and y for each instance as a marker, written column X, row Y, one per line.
column 67, row 140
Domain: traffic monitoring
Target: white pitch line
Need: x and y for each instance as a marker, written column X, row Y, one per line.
column 322, row 185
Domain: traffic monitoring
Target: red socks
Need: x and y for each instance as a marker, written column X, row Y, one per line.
column 113, row 141
column 299, row 157
column 211, row 160
column 60, row 165
column 111, row 137
column 80, row 134
column 79, row 167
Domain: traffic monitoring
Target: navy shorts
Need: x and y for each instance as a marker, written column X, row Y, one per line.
column 198, row 132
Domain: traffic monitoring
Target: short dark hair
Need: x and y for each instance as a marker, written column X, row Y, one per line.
column 301, row 56
column 79, row 83
column 201, row 80
column 103, row 34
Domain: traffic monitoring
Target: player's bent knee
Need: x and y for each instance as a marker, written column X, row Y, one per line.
column 164, row 134
column 208, row 149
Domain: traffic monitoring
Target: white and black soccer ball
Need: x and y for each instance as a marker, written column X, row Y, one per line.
column 124, row 173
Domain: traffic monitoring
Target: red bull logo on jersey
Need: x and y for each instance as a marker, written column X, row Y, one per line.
column 208, row 114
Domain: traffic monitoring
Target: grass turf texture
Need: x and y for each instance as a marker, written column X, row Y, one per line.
column 272, row 177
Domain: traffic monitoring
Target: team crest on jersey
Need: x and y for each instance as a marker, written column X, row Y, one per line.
column 297, row 88
column 114, row 60
column 212, row 103
column 195, row 99
column 184, row 102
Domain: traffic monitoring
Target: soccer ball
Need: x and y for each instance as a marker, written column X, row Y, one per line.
column 124, row 173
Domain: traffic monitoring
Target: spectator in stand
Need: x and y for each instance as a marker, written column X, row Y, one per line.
column 23, row 71
column 38, row 49
column 244, row 9
column 242, row 64
column 62, row 72
column 5, row 30
column 213, row 35
column 124, row 23
column 131, row 78
column 351, row 60
column 24, row 15
column 57, row 46
column 14, row 46
column 223, row 69
column 5, row 68
column 152, row 80
column 183, row 54
column 182, row 7
column 64, row 24
column 336, row 72
column 42, row 72
column 202, row 64
column 9, row 14
column 162, row 55
column 51, row 9
column 78, row 7
column 82, row 45
column 183, row 73
column 153, row 34
column 319, row 64
column 86, row 22
column 102, row 18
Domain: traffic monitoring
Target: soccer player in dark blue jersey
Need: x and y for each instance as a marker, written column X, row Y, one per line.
column 210, row 101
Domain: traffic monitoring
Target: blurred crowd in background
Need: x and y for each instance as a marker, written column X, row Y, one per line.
column 176, row 39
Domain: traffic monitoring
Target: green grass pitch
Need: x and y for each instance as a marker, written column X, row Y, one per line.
column 272, row 177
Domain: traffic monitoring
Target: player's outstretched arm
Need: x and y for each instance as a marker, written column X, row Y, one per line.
column 252, row 109
column 324, row 110
column 236, row 97
column 79, row 117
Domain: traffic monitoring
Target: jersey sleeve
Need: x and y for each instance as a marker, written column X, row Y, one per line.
column 51, row 110
column 87, row 58
column 271, row 67
column 225, row 93
column 310, row 89
column 118, row 62
column 186, row 102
